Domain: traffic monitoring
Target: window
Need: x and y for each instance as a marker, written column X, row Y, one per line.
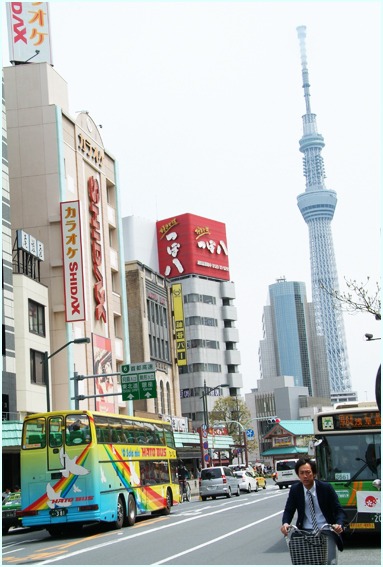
column 36, row 317
column 37, row 367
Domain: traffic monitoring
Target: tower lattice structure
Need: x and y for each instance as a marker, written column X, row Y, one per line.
column 317, row 206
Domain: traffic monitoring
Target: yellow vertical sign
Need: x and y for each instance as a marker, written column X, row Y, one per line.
column 179, row 324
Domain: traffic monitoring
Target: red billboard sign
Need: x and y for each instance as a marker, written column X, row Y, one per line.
column 189, row 244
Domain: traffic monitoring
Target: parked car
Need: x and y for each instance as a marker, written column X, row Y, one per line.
column 218, row 481
column 11, row 504
column 261, row 481
column 247, row 481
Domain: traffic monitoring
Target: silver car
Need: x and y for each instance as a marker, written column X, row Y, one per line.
column 218, row 481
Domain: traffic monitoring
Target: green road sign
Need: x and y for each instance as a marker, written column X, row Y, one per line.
column 138, row 381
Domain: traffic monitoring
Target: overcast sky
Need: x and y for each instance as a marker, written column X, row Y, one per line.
column 201, row 105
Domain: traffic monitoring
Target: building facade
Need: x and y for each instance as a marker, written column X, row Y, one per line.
column 317, row 206
column 291, row 345
column 151, row 339
column 64, row 194
column 193, row 252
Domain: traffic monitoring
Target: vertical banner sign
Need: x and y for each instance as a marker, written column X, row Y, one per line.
column 99, row 294
column 102, row 364
column 28, row 32
column 179, row 324
column 72, row 259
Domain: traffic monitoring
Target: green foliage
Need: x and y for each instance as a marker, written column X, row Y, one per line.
column 230, row 411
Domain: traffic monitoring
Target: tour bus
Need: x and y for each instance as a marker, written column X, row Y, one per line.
column 80, row 466
column 348, row 456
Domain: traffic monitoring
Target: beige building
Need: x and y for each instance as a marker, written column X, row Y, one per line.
column 151, row 338
column 54, row 159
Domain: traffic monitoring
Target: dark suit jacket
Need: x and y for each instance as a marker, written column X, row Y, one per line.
column 328, row 502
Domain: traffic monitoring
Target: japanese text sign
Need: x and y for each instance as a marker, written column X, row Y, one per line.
column 189, row 244
column 28, row 32
column 72, row 261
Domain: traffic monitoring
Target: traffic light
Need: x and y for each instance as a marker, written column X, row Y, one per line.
column 273, row 420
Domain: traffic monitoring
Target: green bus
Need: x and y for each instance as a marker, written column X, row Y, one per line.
column 348, row 456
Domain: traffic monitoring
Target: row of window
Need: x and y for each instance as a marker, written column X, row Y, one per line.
column 157, row 313
column 198, row 298
column 197, row 320
column 159, row 348
column 76, row 429
column 202, row 343
column 198, row 392
column 200, row 367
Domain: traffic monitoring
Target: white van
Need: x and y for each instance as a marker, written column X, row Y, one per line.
column 286, row 474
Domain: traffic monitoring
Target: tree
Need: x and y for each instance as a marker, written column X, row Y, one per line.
column 358, row 298
column 230, row 410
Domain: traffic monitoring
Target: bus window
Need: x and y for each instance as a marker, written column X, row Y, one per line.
column 55, row 426
column 103, row 431
column 34, row 434
column 169, row 437
column 77, row 428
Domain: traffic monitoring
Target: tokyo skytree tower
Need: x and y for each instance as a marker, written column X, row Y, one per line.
column 317, row 205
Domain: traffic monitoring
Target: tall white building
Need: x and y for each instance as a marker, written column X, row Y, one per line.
column 192, row 251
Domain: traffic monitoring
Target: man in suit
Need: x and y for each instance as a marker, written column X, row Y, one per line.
column 327, row 508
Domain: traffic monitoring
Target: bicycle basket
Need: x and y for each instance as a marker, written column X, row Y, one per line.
column 307, row 549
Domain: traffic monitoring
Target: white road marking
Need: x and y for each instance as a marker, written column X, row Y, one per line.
column 156, row 529
column 224, row 536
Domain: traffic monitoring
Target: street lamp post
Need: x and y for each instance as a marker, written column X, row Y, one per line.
column 46, row 368
column 206, row 392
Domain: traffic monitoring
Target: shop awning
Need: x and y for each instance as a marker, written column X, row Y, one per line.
column 11, row 433
column 288, row 451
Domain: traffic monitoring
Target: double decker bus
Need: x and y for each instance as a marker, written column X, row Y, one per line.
column 81, row 466
column 348, row 456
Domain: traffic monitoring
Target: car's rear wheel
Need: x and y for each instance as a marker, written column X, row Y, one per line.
column 238, row 491
column 249, row 488
column 228, row 495
column 203, row 498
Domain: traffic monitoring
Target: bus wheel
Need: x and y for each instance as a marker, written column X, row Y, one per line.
column 130, row 518
column 120, row 514
column 166, row 511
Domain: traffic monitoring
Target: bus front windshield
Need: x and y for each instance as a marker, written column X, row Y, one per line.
column 349, row 457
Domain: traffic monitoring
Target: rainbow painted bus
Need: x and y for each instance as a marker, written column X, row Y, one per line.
column 348, row 456
column 81, row 466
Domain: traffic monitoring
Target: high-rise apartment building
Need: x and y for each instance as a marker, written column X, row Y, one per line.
column 317, row 205
column 291, row 346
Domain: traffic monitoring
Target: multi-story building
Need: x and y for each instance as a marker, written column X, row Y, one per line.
column 291, row 345
column 64, row 195
column 193, row 252
column 151, row 338
column 317, row 206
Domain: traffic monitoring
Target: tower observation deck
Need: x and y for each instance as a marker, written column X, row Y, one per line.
column 317, row 205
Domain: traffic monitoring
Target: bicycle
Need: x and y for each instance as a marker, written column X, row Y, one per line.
column 185, row 490
column 308, row 548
